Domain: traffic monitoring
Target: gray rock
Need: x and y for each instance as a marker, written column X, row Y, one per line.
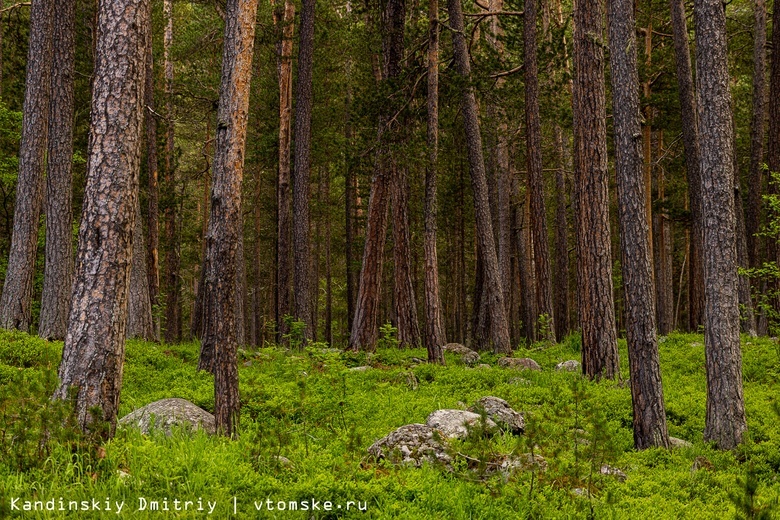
column 674, row 442
column 519, row 363
column 165, row 413
column 568, row 366
column 359, row 369
column 283, row 461
column 501, row 413
column 455, row 424
column 615, row 472
column 410, row 444
column 470, row 358
column 456, row 348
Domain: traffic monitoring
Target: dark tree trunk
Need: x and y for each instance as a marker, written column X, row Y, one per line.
column 240, row 287
column 757, row 130
column 257, row 244
column 434, row 325
column 662, row 250
column 58, row 272
column 692, row 163
column 219, row 344
column 562, row 327
column 16, row 300
column 594, row 257
column 525, row 263
column 139, row 306
column 499, row 325
column 773, row 145
column 725, row 421
column 405, row 302
column 350, row 206
column 302, row 171
column 747, row 319
column 645, row 372
column 533, row 139
column 283, row 200
column 93, row 353
column 153, row 217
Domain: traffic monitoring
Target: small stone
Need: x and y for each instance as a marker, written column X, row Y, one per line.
column 674, row 442
column 501, row 413
column 519, row 364
column 455, row 424
column 615, row 472
column 483, row 365
column 359, row 369
column 283, row 461
column 470, row 358
column 568, row 366
column 410, row 444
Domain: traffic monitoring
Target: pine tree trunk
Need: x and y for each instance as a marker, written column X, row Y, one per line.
column 525, row 259
column 725, row 420
column 16, row 300
column 58, row 271
column 434, row 325
column 219, row 344
column 562, row 326
column 662, row 250
column 773, row 146
column 747, row 319
column 649, row 422
column 757, row 130
column 405, row 302
column 93, row 353
column 544, row 301
column 692, row 162
column 594, row 258
column 283, row 199
column 153, row 217
column 499, row 326
column 139, row 305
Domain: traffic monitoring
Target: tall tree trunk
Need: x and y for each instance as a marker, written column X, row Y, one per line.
column 219, row 344
column 725, row 420
column 365, row 330
column 350, row 206
column 405, row 302
column 240, row 286
column 302, row 171
column 93, row 353
column 562, row 326
column 257, row 244
column 172, row 260
column 139, row 305
column 773, row 146
column 594, row 257
column 499, row 325
column 533, row 139
column 434, row 325
column 58, row 271
column 692, row 162
column 525, row 263
column 757, row 130
column 662, row 236
column 283, row 199
column 646, row 391
column 16, row 300
column 153, row 217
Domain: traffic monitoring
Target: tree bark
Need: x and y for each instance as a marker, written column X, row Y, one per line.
column 16, row 300
column 533, row 139
column 499, row 325
column 662, row 250
column 139, row 305
column 434, row 326
column 594, row 257
column 692, row 162
column 725, row 419
column 405, row 301
column 219, row 344
column 93, row 352
column 302, row 171
column 562, row 326
column 649, row 421
column 757, row 130
column 283, row 200
column 58, row 270
column 153, row 215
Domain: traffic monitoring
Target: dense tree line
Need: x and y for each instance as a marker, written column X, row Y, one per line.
column 489, row 173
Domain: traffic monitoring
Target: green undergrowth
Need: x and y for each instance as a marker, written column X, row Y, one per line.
column 307, row 421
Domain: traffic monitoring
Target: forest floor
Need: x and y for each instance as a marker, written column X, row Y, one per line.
column 308, row 407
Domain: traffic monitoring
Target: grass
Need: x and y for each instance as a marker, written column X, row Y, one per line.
column 308, row 407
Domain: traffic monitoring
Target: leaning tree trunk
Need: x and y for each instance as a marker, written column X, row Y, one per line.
column 93, row 354
column 434, row 327
column 594, row 258
column 58, row 271
column 692, row 163
column 302, row 172
column 757, row 128
column 499, row 325
column 16, row 300
column 533, row 139
column 139, row 305
column 725, row 420
column 219, row 346
column 645, row 372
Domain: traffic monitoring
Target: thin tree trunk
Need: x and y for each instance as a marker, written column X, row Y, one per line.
column 757, row 130
column 58, row 271
column 499, row 326
column 219, row 345
column 664, row 301
column 283, row 199
column 562, row 326
column 539, row 236
column 527, row 289
column 649, row 422
column 93, row 353
column 725, row 419
column 139, row 305
column 434, row 325
column 302, row 171
column 153, row 217
column 773, row 150
column 692, row 163
column 16, row 300
column 350, row 206
column 594, row 256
